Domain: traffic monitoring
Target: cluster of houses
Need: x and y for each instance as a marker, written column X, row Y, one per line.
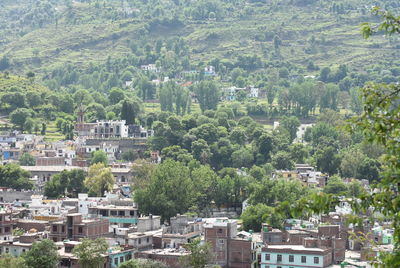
column 114, row 137
column 322, row 241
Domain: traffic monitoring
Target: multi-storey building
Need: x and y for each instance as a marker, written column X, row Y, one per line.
column 121, row 216
column 74, row 227
column 294, row 256
column 230, row 250
column 6, row 225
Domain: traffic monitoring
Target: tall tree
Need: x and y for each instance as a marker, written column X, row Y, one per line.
column 99, row 179
column 208, row 95
column 11, row 175
column 27, row 159
column 169, row 192
column 200, row 254
column 130, row 110
column 43, row 254
column 99, row 157
column 91, row 253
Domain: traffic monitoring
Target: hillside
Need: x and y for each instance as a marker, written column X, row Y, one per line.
column 52, row 33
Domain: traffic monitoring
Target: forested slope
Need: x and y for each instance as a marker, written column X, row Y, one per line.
column 42, row 35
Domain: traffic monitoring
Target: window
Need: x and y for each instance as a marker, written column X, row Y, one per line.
column 116, row 261
column 140, row 241
column 63, row 229
column 147, row 239
column 291, row 258
column 121, row 259
column 80, row 229
column 316, row 260
column 279, row 258
column 219, row 231
column 303, row 259
column 279, row 267
column 221, row 241
column 54, row 228
column 267, row 257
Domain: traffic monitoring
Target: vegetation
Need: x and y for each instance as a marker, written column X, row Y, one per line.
column 99, row 179
column 43, row 254
column 69, row 183
column 200, row 255
column 90, row 253
column 13, row 176
column 142, row 263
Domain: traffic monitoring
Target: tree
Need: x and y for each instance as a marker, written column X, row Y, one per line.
column 208, row 95
column 169, row 192
column 142, row 173
column 351, row 163
column 291, row 124
column 298, row 152
column 43, row 130
column 43, row 254
column 369, row 170
column 116, row 95
column 10, row 261
column 99, row 157
column 99, row 179
column 67, row 182
column 254, row 216
column 327, row 159
column 19, row 116
column 130, row 110
column 200, row 254
column 282, row 161
column 204, row 180
column 336, row 186
column 130, row 155
column 90, row 253
column 379, row 123
column 4, row 63
column 242, row 158
column 29, row 125
column 27, row 159
column 13, row 176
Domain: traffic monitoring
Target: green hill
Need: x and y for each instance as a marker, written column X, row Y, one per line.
column 43, row 35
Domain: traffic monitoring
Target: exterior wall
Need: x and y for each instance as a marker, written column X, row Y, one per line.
column 240, row 254
column 28, row 225
column 50, row 161
column 273, row 263
column 14, row 250
column 115, row 259
column 13, row 195
column 6, row 226
column 171, row 260
column 141, row 242
column 148, row 223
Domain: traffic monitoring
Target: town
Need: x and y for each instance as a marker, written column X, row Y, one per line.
column 28, row 216
column 199, row 134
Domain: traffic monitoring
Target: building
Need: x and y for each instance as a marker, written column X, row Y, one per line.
column 169, row 256
column 180, row 232
column 296, row 256
column 6, row 225
column 74, row 227
column 230, row 250
column 110, row 129
column 120, row 216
